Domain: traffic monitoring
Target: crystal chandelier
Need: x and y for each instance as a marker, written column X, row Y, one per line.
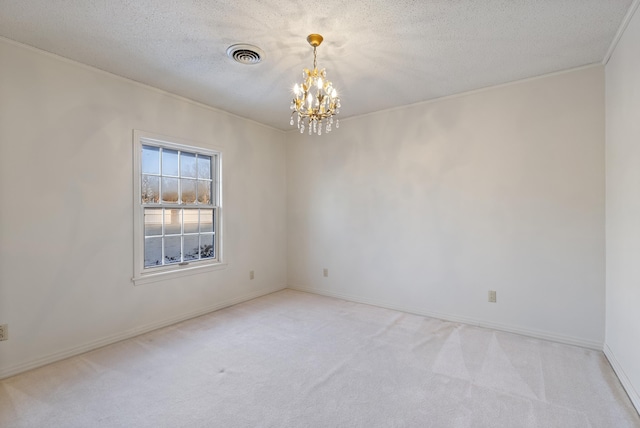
column 316, row 100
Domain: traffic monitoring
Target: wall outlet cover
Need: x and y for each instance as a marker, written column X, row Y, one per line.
column 492, row 296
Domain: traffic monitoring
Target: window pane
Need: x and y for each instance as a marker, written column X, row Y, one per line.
column 172, row 221
column 169, row 162
column 172, row 250
column 152, row 252
column 170, row 190
column 187, row 165
column 150, row 189
column 204, row 166
column 206, row 221
column 150, row 160
column 191, row 247
column 204, row 192
column 152, row 222
column 178, row 196
column 190, row 221
column 188, row 191
column 207, row 249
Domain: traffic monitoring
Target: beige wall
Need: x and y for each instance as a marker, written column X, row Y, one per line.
column 66, row 213
column 423, row 208
column 623, row 209
column 427, row 207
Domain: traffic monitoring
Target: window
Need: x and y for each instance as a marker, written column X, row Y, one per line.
column 177, row 208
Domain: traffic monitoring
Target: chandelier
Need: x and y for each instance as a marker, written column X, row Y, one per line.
column 316, row 100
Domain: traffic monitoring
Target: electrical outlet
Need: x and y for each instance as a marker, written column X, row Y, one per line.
column 4, row 331
column 492, row 296
column 325, row 272
column 251, row 274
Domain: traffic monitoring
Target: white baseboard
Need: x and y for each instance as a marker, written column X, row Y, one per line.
column 624, row 379
column 108, row 340
column 455, row 318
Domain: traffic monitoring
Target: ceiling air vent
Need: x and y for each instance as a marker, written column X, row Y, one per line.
column 245, row 54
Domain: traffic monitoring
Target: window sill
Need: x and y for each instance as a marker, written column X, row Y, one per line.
column 145, row 278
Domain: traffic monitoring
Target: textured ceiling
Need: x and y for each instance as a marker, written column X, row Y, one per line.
column 379, row 54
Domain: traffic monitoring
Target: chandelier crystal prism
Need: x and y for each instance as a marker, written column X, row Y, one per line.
column 315, row 100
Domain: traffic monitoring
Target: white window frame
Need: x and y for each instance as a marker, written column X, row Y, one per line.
column 144, row 275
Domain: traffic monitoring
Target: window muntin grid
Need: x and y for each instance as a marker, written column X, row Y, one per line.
column 178, row 196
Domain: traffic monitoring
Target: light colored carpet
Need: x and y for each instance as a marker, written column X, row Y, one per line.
column 294, row 359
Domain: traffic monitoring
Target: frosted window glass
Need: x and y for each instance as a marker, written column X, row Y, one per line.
column 207, row 249
column 169, row 162
column 150, row 160
column 191, row 247
column 204, row 192
column 188, row 165
column 150, row 189
column 206, row 221
column 172, row 221
column 152, row 252
column 153, row 221
column 204, row 166
column 188, row 191
column 172, row 249
column 169, row 190
column 190, row 221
